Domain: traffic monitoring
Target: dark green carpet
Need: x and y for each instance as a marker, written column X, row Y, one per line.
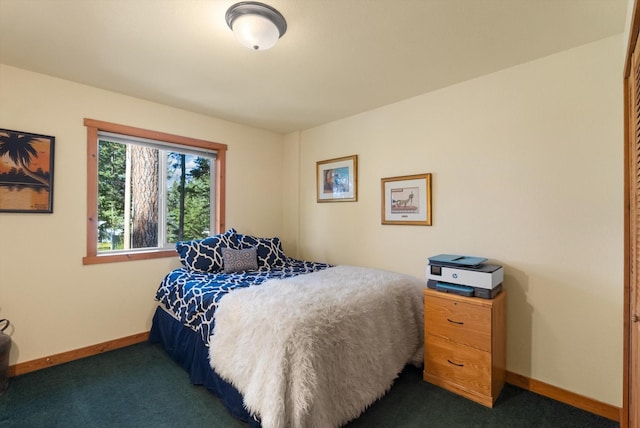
column 140, row 386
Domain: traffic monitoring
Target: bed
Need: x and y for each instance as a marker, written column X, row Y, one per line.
column 286, row 342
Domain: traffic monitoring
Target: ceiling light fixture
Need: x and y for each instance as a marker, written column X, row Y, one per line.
column 255, row 25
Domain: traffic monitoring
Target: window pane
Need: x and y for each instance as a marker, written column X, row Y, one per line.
column 129, row 189
column 111, row 194
column 188, row 197
column 127, row 196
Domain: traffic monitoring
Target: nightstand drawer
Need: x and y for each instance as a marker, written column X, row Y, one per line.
column 458, row 321
column 466, row 367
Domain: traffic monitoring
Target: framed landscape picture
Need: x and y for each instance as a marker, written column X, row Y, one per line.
column 26, row 172
column 407, row 200
column 337, row 179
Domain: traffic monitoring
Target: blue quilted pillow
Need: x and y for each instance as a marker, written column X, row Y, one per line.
column 270, row 253
column 205, row 255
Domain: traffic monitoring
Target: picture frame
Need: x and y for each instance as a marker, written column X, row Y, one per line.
column 337, row 179
column 26, row 172
column 407, row 200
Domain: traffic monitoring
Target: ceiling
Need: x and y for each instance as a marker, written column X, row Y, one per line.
column 337, row 58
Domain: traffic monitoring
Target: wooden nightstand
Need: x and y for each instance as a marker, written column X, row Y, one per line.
column 465, row 344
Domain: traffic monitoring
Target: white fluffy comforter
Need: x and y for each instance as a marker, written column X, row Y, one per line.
column 315, row 350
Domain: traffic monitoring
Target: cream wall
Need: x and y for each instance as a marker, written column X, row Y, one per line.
column 290, row 193
column 56, row 304
column 527, row 168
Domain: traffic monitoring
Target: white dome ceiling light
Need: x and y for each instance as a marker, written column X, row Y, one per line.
column 255, row 25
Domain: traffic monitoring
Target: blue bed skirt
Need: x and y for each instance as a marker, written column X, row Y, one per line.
column 185, row 346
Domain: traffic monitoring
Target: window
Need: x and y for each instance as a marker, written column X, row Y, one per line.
column 147, row 190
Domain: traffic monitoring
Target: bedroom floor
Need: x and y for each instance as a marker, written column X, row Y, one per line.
column 140, row 386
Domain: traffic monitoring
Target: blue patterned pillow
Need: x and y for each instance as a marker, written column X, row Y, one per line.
column 270, row 253
column 239, row 260
column 205, row 255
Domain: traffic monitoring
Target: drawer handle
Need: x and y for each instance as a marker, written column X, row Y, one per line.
column 455, row 322
column 455, row 364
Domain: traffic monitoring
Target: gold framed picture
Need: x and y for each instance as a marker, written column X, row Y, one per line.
column 407, row 200
column 337, row 179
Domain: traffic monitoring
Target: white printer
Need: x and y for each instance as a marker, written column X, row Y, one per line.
column 465, row 275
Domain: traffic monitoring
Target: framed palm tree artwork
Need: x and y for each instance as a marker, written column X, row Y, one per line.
column 26, row 172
